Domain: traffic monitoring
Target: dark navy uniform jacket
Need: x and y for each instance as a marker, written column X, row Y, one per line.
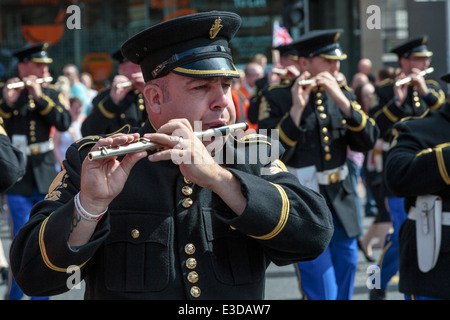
column 419, row 164
column 322, row 140
column 34, row 119
column 165, row 238
column 387, row 113
column 12, row 162
column 107, row 117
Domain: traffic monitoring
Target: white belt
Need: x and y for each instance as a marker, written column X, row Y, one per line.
column 412, row 215
column 429, row 219
column 328, row 177
column 39, row 147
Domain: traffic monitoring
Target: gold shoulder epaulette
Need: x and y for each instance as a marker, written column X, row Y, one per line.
column 125, row 129
column 386, row 82
column 279, row 85
column 87, row 141
column 423, row 115
column 52, row 86
column 254, row 138
column 103, row 89
column 433, row 82
column 90, row 140
column 346, row 88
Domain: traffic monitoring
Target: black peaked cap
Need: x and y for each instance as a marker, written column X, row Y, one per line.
column 194, row 45
column 37, row 53
column 320, row 43
column 416, row 47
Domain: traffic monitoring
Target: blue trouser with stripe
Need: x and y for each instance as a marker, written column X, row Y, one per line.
column 389, row 258
column 20, row 208
column 331, row 276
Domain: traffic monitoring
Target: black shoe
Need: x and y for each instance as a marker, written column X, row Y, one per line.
column 360, row 247
column 377, row 294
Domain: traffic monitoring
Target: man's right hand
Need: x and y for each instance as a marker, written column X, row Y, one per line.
column 11, row 95
column 103, row 179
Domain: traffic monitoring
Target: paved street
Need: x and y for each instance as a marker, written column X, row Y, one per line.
column 281, row 282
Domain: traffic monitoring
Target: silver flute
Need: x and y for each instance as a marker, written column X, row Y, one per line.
column 145, row 144
column 280, row 71
column 307, row 82
column 20, row 84
column 124, row 84
column 406, row 80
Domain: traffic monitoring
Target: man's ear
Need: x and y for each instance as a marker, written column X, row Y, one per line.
column 154, row 98
column 303, row 63
column 22, row 68
column 403, row 62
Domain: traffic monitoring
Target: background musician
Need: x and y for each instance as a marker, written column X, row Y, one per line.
column 146, row 227
column 413, row 99
column 117, row 106
column 416, row 169
column 29, row 112
column 316, row 124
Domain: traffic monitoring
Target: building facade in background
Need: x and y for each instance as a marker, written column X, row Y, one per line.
column 104, row 25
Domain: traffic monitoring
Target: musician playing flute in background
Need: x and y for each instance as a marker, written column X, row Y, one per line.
column 317, row 125
column 120, row 104
column 29, row 112
column 412, row 99
column 173, row 224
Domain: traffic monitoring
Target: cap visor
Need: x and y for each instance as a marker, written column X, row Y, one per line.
column 211, row 67
column 335, row 54
column 426, row 54
column 42, row 60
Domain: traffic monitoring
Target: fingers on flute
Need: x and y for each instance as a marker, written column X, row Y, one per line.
column 117, row 140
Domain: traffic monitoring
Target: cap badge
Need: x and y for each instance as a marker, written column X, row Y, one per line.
column 336, row 37
column 215, row 28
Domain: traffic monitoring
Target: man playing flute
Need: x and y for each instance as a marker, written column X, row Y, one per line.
column 29, row 113
column 148, row 227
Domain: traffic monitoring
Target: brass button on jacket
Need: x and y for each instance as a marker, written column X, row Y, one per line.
column 187, row 202
column 135, row 233
column 195, row 292
column 191, row 263
column 186, row 190
column 189, row 248
column 192, row 277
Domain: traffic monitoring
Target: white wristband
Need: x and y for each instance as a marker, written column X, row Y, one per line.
column 83, row 213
